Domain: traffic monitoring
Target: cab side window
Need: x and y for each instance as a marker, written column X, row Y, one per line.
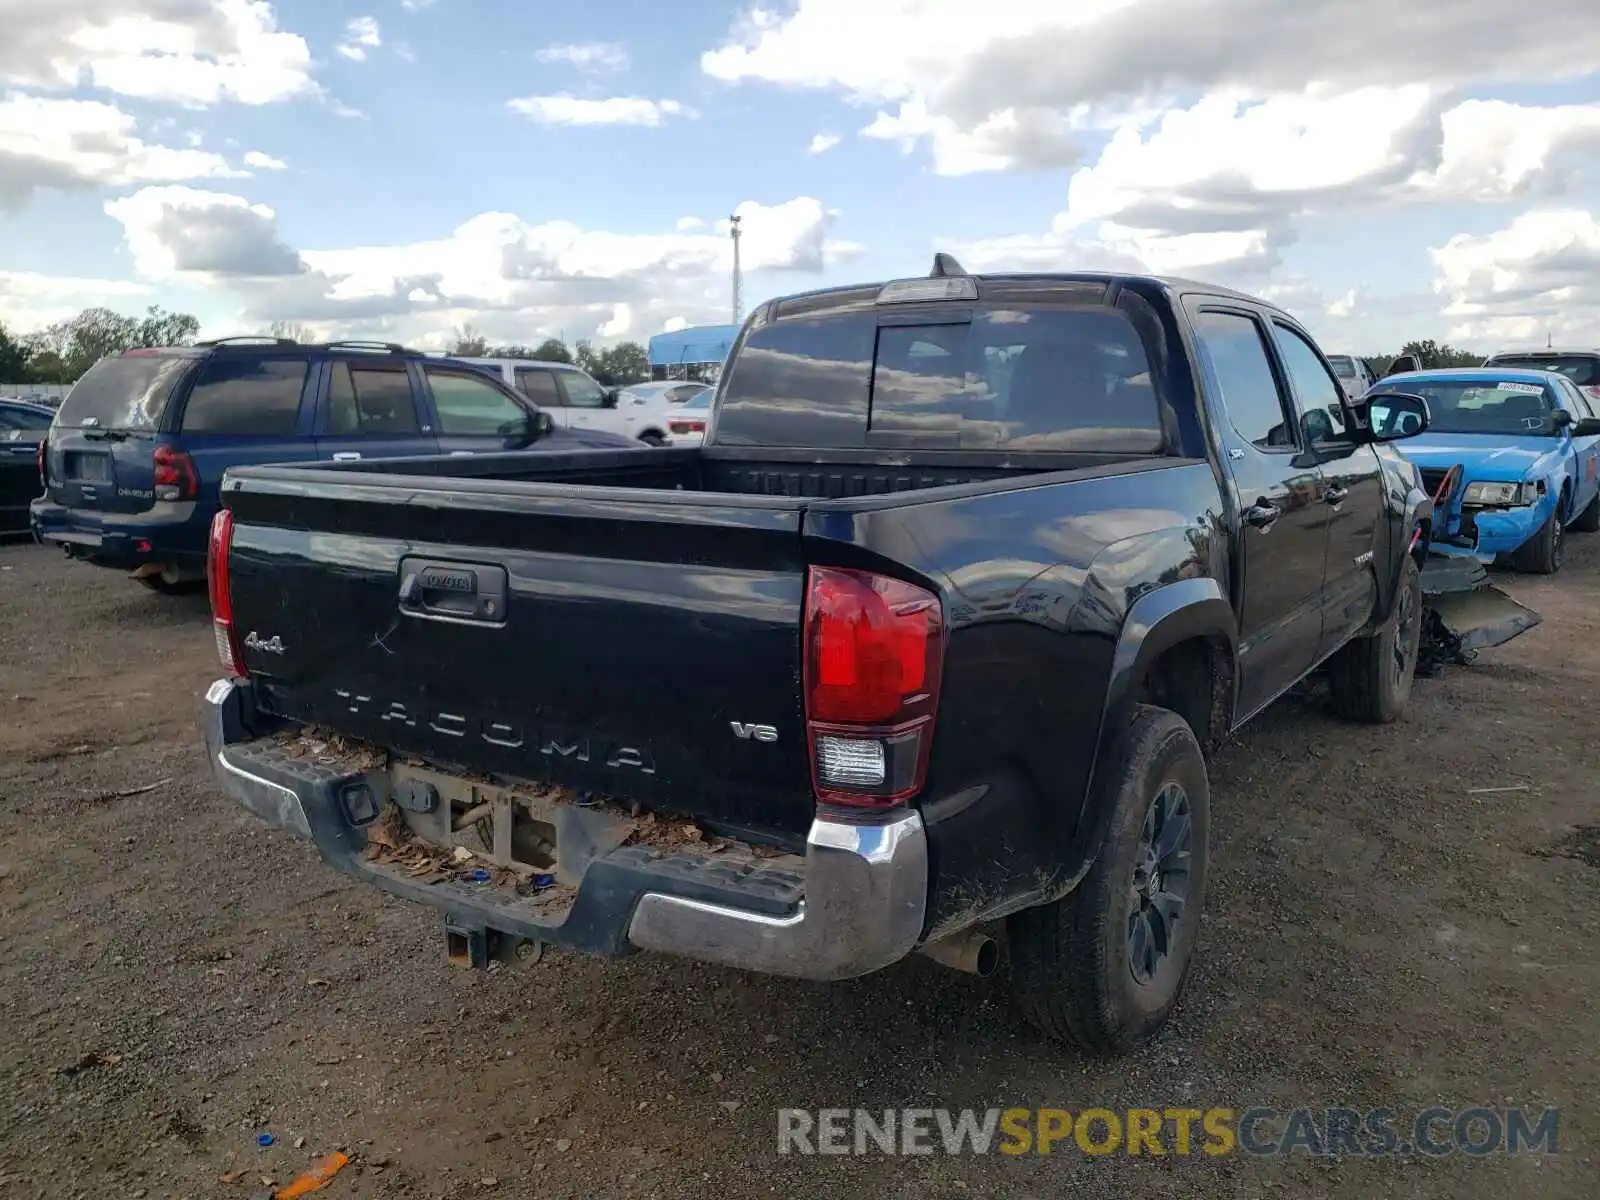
column 1232, row 343
column 1315, row 387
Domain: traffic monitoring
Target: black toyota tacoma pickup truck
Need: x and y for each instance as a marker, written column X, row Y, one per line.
column 925, row 643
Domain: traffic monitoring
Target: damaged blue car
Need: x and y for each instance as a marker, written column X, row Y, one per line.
column 1511, row 459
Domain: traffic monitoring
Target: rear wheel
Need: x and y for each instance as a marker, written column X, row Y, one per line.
column 1544, row 553
column 1103, row 967
column 1588, row 521
column 1370, row 678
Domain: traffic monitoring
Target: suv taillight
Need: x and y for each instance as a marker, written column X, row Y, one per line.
column 229, row 651
column 690, row 426
column 43, row 464
column 175, row 475
column 874, row 649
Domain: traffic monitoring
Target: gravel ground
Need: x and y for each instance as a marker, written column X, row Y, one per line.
column 176, row 978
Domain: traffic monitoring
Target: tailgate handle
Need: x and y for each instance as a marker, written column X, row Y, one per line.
column 452, row 591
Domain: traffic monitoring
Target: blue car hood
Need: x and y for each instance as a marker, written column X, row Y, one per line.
column 1495, row 457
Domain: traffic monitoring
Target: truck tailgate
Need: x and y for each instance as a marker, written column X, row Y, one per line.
column 620, row 642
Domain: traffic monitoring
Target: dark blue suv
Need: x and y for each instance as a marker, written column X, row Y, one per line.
column 133, row 463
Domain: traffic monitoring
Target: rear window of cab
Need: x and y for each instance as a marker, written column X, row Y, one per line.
column 1020, row 379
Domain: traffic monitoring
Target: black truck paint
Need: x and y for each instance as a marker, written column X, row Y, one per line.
column 652, row 600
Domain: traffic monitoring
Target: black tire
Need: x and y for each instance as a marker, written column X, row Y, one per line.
column 1075, row 969
column 1546, row 550
column 1588, row 521
column 1370, row 678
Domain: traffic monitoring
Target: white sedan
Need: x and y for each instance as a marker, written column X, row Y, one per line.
column 686, row 424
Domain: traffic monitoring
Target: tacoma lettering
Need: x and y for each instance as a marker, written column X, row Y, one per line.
column 610, row 753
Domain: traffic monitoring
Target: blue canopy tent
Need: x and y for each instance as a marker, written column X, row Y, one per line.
column 694, row 353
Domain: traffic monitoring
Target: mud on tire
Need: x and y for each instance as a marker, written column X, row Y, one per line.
column 1103, row 967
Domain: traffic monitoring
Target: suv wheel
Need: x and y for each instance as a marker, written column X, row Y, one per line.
column 1104, row 966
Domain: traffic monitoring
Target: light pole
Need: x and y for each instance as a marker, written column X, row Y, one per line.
column 738, row 282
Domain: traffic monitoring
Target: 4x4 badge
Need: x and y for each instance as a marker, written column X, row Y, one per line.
column 271, row 645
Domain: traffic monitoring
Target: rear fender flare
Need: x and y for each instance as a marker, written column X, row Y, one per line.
column 1158, row 621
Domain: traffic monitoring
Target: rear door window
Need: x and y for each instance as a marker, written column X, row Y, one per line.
column 370, row 400
column 246, row 396
column 539, row 386
column 128, row 392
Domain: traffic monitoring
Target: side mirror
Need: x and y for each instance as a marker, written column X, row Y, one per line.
column 1397, row 415
column 1588, row 427
column 526, row 430
column 1561, row 418
column 610, row 398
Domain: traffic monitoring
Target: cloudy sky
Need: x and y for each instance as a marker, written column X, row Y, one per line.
column 404, row 167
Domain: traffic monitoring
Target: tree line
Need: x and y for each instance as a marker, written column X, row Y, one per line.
column 61, row 352
column 1430, row 356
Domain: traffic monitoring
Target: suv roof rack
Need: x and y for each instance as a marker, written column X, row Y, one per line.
column 370, row 346
column 250, row 339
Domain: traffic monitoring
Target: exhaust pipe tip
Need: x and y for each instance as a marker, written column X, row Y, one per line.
column 971, row 951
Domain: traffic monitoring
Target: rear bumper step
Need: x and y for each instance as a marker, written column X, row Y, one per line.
column 855, row 904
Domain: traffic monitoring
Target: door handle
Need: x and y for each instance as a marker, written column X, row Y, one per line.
column 1336, row 494
column 1262, row 515
column 347, row 456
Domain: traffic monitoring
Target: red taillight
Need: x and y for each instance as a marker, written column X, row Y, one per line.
column 686, row 426
column 229, row 651
column 1594, row 392
column 175, row 475
column 873, row 655
column 44, row 470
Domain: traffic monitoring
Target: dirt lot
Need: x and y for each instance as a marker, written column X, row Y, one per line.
column 1376, row 935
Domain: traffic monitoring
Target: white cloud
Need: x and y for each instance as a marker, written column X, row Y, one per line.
column 1011, row 138
column 822, row 143
column 360, row 35
column 1538, row 276
column 616, row 110
column 953, row 68
column 264, row 162
column 495, row 271
column 179, row 231
column 415, row 5
column 196, row 52
column 1222, row 187
column 690, row 224
column 29, row 300
column 50, row 143
column 587, row 56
